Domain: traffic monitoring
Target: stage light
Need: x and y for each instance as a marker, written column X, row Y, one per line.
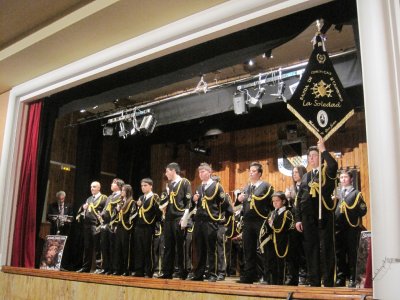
column 268, row 54
column 148, row 124
column 202, row 150
column 281, row 89
column 134, row 129
column 122, row 132
column 256, row 100
column 239, row 104
column 260, row 93
column 213, row 132
column 251, row 63
column 108, row 130
column 82, row 111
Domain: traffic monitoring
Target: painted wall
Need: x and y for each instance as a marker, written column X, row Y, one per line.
column 3, row 114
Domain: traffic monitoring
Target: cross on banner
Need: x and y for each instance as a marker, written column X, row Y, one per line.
column 319, row 101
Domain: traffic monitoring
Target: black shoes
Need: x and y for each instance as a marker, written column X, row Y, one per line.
column 245, row 280
column 352, row 284
column 165, row 276
column 83, row 270
column 212, row 278
column 196, row 278
column 340, row 282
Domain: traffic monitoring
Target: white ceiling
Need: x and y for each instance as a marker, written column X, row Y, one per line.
column 42, row 35
column 39, row 36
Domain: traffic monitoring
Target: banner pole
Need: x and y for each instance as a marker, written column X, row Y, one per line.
column 319, row 188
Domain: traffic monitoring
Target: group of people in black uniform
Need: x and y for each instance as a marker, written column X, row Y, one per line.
column 268, row 236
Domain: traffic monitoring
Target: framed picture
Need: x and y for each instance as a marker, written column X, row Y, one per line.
column 52, row 252
column 362, row 256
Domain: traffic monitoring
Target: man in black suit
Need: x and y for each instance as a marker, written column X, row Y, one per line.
column 319, row 245
column 89, row 214
column 351, row 208
column 107, row 234
column 257, row 203
column 56, row 213
column 208, row 201
column 175, row 201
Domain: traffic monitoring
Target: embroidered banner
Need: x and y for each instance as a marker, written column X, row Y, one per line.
column 319, row 100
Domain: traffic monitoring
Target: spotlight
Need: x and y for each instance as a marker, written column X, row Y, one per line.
column 251, row 63
column 134, row 128
column 260, row 93
column 293, row 87
column 281, row 89
column 239, row 104
column 213, row 132
column 202, row 150
column 268, row 54
column 256, row 100
column 108, row 130
column 122, row 132
column 148, row 124
column 82, row 111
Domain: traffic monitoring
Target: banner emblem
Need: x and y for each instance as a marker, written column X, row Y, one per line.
column 319, row 101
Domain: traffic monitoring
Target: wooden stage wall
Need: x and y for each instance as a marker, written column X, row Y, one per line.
column 230, row 156
column 20, row 283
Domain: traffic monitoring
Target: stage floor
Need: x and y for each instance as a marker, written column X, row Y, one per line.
column 72, row 282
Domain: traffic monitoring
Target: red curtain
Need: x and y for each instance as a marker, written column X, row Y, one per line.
column 23, row 254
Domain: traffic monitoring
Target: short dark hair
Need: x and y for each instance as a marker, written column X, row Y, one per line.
column 174, row 166
column 128, row 190
column 215, row 178
column 205, row 166
column 147, row 180
column 281, row 195
column 348, row 172
column 301, row 169
column 312, row 148
column 258, row 166
column 119, row 182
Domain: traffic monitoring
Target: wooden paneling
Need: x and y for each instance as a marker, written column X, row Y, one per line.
column 21, row 283
column 63, row 151
column 231, row 154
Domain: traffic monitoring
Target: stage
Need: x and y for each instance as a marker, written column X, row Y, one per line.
column 23, row 283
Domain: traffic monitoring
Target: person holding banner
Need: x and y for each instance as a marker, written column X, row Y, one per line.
column 315, row 218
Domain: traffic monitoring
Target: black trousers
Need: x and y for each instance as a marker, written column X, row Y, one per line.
column 347, row 241
column 121, row 254
column 188, row 251
column 158, row 246
column 174, row 238
column 274, row 272
column 250, row 236
column 204, row 248
column 221, row 252
column 295, row 258
column 319, row 247
column 89, row 240
column 144, row 264
column 234, row 254
column 107, row 239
